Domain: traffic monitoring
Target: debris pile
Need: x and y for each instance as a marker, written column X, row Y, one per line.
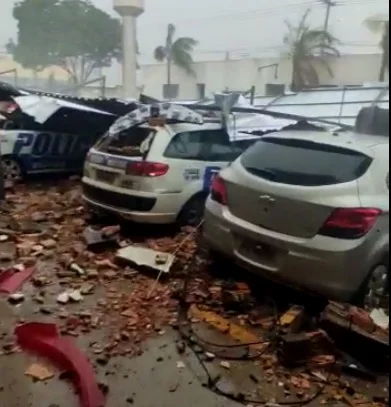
column 86, row 279
column 48, row 229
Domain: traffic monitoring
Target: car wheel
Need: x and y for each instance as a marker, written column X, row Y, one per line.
column 12, row 170
column 193, row 212
column 376, row 289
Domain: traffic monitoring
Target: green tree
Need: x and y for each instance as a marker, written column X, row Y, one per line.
column 176, row 51
column 73, row 34
column 381, row 25
column 308, row 48
column 29, row 49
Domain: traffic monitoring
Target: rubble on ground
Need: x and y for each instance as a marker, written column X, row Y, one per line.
column 358, row 320
column 47, row 230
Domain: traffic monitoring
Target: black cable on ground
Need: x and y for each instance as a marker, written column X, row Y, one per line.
column 212, row 384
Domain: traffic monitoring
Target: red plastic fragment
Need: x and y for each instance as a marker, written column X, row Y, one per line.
column 11, row 281
column 45, row 340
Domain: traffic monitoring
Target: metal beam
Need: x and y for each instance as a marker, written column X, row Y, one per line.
column 328, row 4
column 101, row 80
column 275, row 66
column 380, row 96
column 15, row 72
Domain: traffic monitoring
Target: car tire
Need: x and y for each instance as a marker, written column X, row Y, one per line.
column 12, row 169
column 375, row 290
column 193, row 211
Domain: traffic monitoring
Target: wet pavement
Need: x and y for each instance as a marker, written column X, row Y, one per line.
column 159, row 377
column 151, row 380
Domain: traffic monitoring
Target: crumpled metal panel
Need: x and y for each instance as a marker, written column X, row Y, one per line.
column 144, row 112
column 337, row 104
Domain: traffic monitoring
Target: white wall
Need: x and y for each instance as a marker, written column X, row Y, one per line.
column 242, row 74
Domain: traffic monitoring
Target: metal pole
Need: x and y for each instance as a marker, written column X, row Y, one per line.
column 275, row 66
column 342, row 104
column 102, row 81
column 262, row 68
column 103, row 87
column 15, row 72
column 328, row 4
column 252, row 95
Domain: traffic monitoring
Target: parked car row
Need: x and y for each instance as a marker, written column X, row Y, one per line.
column 308, row 208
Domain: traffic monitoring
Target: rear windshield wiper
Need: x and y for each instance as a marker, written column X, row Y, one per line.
column 264, row 173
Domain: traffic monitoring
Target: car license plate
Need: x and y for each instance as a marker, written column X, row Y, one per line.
column 105, row 176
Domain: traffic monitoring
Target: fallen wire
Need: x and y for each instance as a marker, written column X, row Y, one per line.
column 212, row 384
column 181, row 243
column 273, row 334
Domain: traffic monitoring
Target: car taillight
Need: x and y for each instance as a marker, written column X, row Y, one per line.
column 218, row 191
column 146, row 169
column 350, row 223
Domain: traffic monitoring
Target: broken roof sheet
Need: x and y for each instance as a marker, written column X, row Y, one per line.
column 337, row 104
column 144, row 112
column 41, row 108
column 340, row 104
column 114, row 106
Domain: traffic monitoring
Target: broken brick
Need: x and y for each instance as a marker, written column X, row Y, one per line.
column 300, row 348
column 292, row 320
column 48, row 243
column 39, row 372
column 362, row 319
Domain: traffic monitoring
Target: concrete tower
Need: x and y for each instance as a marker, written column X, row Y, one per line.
column 129, row 10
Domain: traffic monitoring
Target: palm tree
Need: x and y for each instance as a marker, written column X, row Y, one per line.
column 381, row 25
column 178, row 52
column 307, row 48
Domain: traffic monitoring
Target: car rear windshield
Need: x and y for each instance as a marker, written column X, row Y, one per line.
column 134, row 142
column 305, row 163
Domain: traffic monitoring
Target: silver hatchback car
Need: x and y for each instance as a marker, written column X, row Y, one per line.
column 308, row 208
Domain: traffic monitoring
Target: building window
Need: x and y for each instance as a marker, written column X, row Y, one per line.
column 170, row 91
column 201, row 88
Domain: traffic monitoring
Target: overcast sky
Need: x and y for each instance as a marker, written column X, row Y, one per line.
column 243, row 27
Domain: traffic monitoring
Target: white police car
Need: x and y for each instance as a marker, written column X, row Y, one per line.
column 151, row 171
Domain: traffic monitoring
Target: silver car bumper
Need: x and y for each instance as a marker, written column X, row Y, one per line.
column 330, row 267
